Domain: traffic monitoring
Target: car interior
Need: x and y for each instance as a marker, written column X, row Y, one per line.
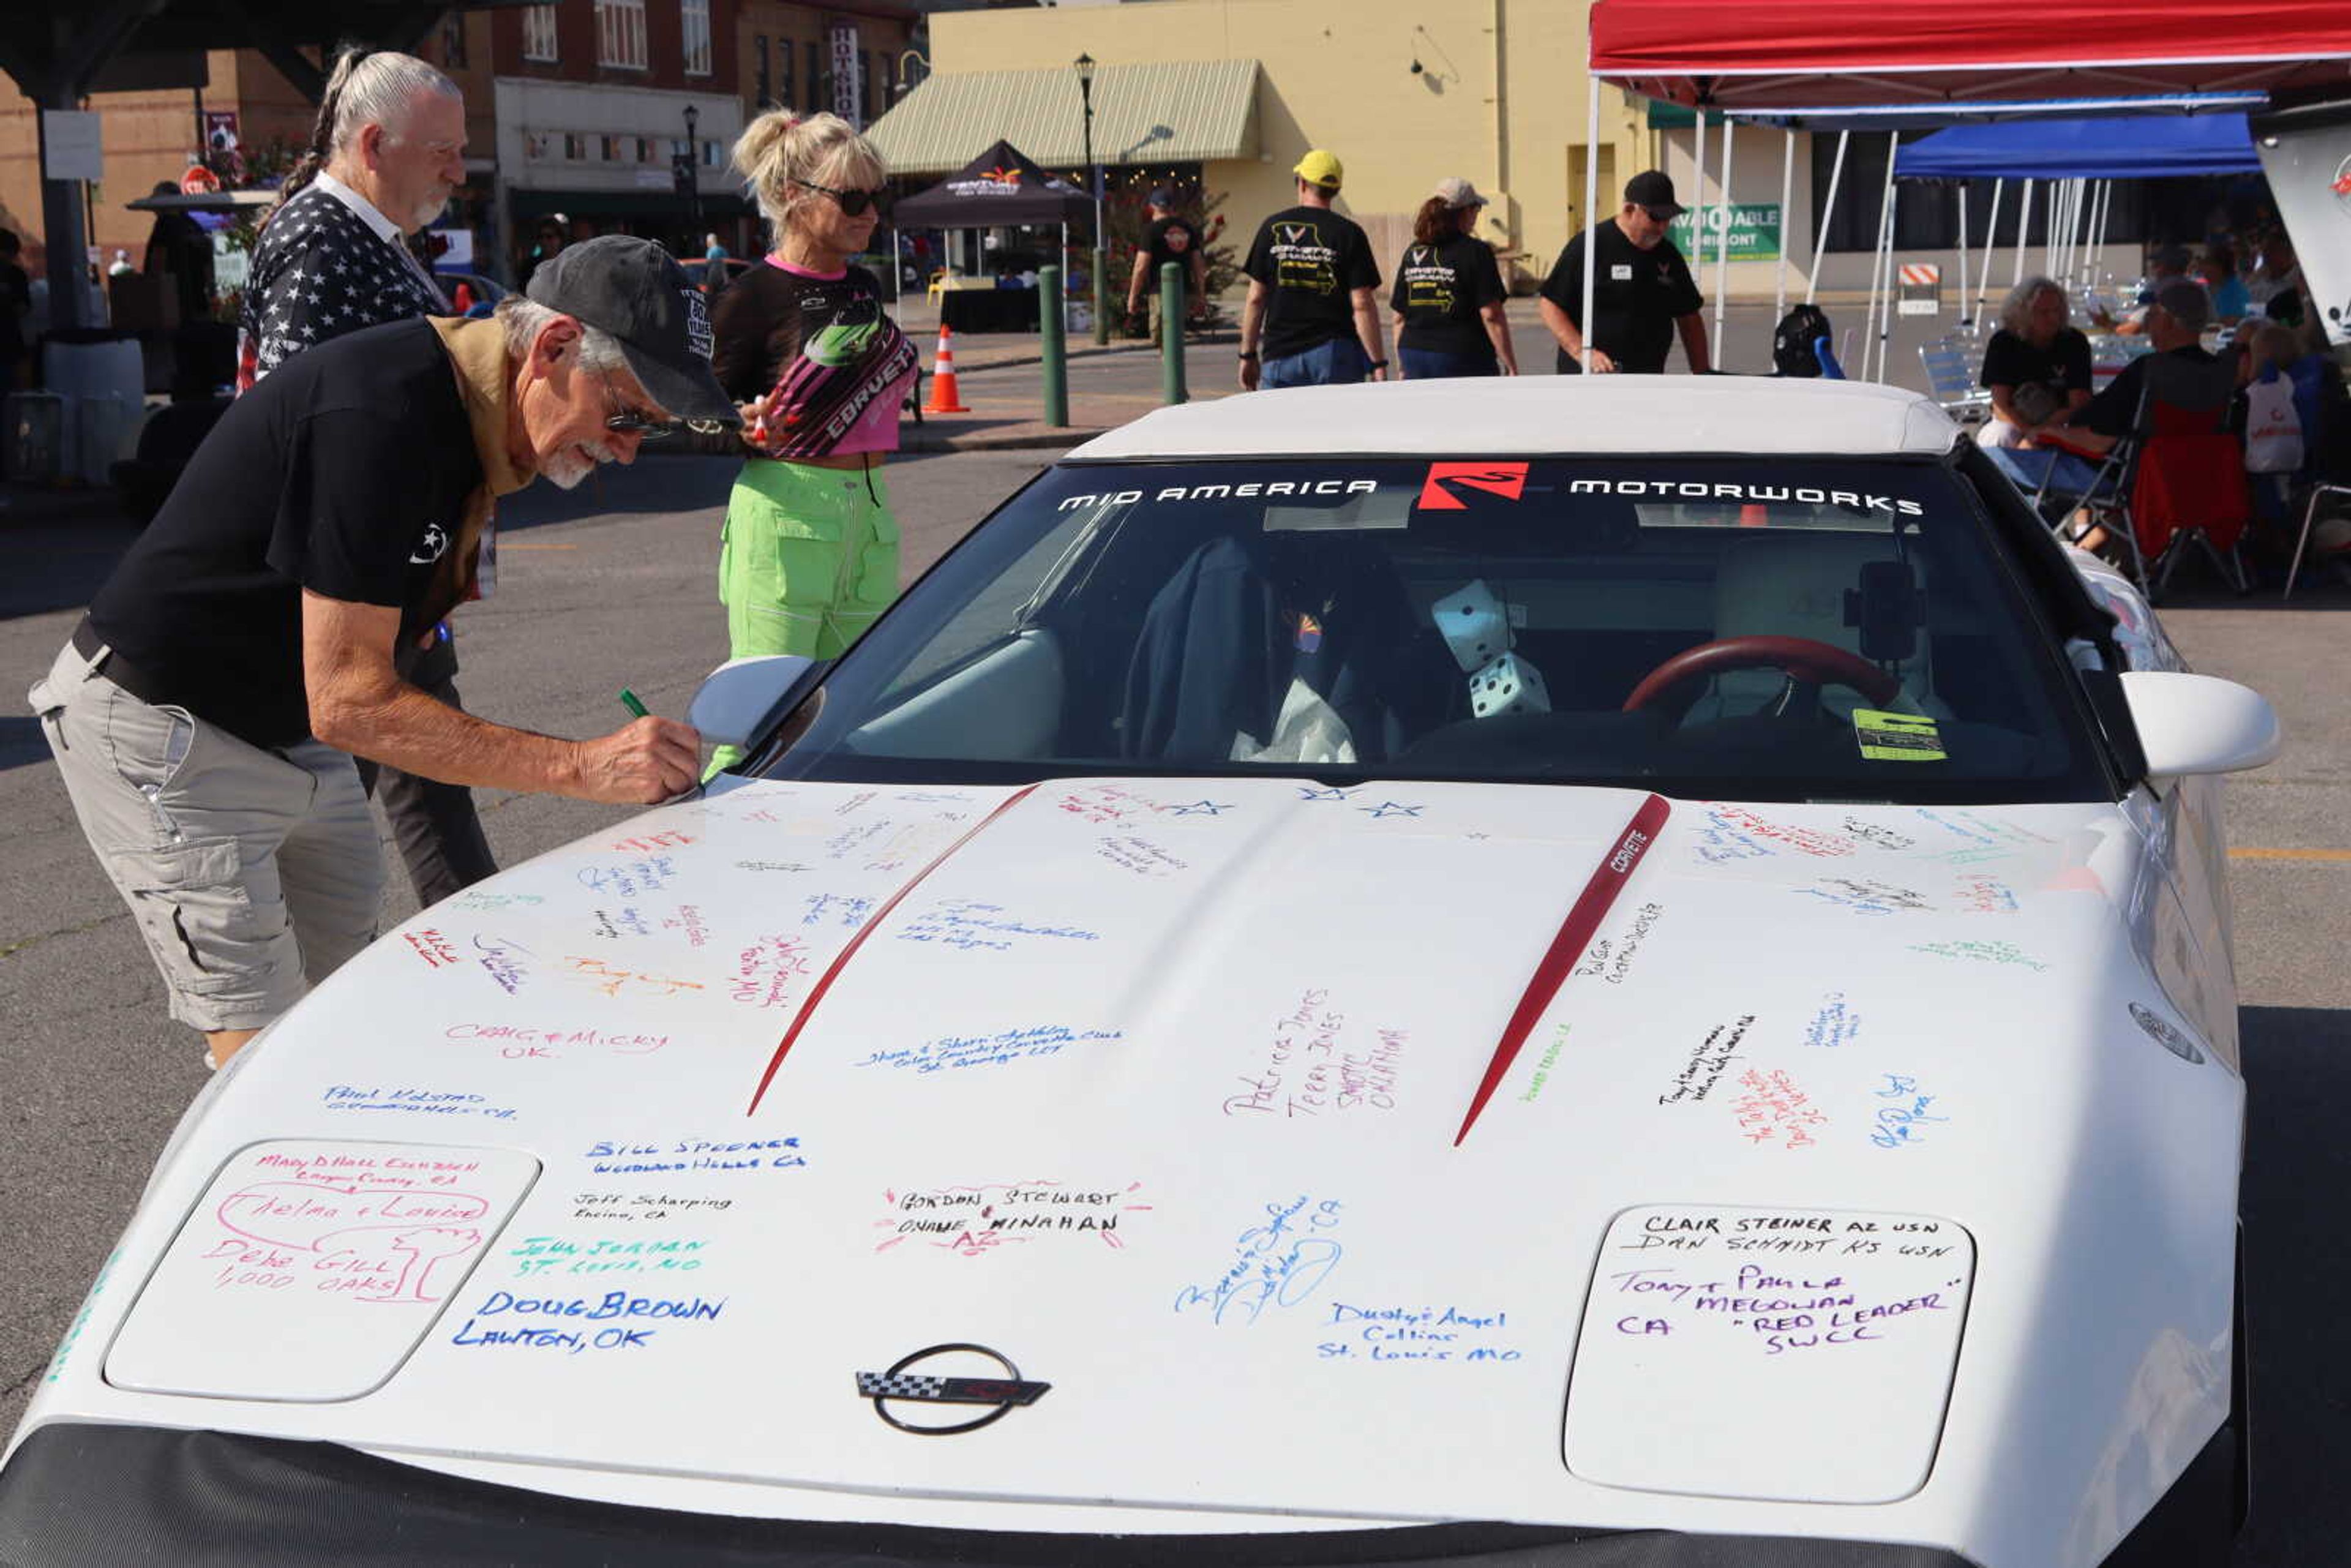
column 1590, row 636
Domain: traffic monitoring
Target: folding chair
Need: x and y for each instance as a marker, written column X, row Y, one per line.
column 1952, row 383
column 2187, row 486
column 2309, row 516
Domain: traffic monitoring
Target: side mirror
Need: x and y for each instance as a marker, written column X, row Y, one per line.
column 2197, row 724
column 741, row 700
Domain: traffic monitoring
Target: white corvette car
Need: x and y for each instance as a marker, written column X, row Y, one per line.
column 1611, row 973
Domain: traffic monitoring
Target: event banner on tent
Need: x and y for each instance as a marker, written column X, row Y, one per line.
column 1754, row 232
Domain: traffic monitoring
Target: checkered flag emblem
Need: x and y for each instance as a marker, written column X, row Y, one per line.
column 949, row 1390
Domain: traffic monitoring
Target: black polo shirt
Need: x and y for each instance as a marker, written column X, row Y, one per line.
column 1636, row 296
column 345, row 471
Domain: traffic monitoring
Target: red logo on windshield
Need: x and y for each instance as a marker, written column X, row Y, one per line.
column 1508, row 480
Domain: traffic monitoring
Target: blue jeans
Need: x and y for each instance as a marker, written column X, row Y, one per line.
column 2028, row 465
column 1435, row 364
column 1325, row 365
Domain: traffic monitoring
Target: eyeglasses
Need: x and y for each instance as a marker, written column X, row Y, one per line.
column 626, row 421
column 854, row 203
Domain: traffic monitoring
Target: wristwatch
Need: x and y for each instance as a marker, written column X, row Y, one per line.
column 1249, row 353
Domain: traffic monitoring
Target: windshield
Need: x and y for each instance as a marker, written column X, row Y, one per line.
column 1751, row 628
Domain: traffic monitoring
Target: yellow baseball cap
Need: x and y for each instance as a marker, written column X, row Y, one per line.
column 1319, row 168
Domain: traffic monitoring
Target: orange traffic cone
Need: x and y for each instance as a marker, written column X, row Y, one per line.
column 945, row 397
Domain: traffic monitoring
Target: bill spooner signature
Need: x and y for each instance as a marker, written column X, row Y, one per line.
column 1278, row 1263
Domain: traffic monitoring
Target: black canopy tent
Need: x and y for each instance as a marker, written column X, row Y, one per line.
column 1001, row 188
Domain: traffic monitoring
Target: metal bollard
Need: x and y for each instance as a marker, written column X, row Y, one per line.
column 1100, row 270
column 1049, row 309
column 1171, row 333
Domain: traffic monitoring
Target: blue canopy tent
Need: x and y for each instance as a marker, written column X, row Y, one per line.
column 2083, row 150
column 2070, row 154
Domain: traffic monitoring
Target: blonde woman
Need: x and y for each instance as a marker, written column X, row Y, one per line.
column 809, row 554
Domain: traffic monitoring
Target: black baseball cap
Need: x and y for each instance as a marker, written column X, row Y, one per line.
column 1653, row 191
column 631, row 290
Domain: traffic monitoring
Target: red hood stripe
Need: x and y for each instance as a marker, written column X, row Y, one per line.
column 832, row 972
column 1575, row 932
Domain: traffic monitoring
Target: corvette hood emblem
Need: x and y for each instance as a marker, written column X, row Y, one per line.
column 900, row 1383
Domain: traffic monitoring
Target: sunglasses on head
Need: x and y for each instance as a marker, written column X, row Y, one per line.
column 854, row 203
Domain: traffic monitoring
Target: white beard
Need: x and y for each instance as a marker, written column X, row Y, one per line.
column 573, row 464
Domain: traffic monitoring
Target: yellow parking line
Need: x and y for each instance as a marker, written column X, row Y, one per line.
column 2252, row 855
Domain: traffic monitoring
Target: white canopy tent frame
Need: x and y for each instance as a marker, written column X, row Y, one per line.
column 2083, row 219
column 1992, row 233
column 1720, row 349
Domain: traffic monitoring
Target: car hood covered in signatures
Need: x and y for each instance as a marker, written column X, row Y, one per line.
column 1304, row 1140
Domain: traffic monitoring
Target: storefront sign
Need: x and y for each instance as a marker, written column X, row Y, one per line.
column 847, row 80
column 1754, row 232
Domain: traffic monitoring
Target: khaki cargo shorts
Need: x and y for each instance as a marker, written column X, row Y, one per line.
column 252, row 873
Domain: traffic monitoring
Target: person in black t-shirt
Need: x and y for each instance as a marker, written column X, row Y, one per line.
column 1313, row 290
column 2035, row 366
column 206, row 712
column 1642, row 289
column 1448, row 293
column 1171, row 237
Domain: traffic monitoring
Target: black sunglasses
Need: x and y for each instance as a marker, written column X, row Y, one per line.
column 854, row 203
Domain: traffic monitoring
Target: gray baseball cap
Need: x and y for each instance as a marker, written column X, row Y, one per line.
column 631, row 290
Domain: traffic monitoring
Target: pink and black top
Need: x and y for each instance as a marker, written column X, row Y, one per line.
column 822, row 343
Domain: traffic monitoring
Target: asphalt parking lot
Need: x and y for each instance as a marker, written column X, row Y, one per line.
column 612, row 586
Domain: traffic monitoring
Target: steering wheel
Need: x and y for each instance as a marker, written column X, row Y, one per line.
column 1805, row 661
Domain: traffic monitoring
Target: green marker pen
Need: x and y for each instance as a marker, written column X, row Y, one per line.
column 629, row 700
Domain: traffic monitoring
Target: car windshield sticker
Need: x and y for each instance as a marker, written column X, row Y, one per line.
column 1508, row 480
column 1897, row 737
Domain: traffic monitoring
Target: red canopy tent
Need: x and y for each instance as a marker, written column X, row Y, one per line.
column 1760, row 55
column 1755, row 54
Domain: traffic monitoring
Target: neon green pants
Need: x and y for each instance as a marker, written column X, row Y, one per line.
column 808, row 559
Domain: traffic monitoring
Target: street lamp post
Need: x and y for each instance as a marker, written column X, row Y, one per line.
column 689, row 175
column 1085, row 67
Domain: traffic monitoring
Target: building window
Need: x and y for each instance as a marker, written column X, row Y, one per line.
column 710, row 155
column 694, row 24
column 644, row 150
column 759, row 71
column 575, row 146
column 452, row 40
column 784, row 79
column 538, row 32
column 611, row 149
column 814, row 97
column 621, row 34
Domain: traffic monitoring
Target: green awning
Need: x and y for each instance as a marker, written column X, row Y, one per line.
column 1665, row 115
column 1176, row 112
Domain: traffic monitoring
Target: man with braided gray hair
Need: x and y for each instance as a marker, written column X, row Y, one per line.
column 387, row 149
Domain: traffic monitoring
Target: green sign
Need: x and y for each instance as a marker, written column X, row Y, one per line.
column 1754, row 232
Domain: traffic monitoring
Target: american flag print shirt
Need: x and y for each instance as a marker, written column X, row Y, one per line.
column 320, row 272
